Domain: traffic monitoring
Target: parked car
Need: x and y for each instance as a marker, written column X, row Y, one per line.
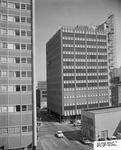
column 112, row 138
column 84, row 140
column 60, row 134
column 77, row 123
column 101, row 139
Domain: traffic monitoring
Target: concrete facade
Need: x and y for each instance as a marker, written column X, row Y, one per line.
column 116, row 95
column 16, row 73
column 77, row 70
column 41, row 93
column 101, row 123
column 41, row 98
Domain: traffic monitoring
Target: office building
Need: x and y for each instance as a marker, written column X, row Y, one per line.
column 116, row 95
column 101, row 123
column 41, row 94
column 117, row 73
column 41, row 84
column 116, row 87
column 17, row 94
column 77, row 70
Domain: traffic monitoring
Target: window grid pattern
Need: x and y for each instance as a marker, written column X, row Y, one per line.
column 15, row 130
column 15, row 5
column 85, row 57
column 15, row 88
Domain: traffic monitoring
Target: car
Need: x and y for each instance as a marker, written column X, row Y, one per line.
column 60, row 134
column 84, row 140
column 112, row 138
column 101, row 139
column 77, row 123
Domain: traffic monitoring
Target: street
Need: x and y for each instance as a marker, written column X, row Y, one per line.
column 47, row 139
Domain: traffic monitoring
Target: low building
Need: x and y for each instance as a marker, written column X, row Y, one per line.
column 41, row 94
column 101, row 122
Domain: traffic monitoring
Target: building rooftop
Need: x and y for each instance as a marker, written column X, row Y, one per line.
column 104, row 110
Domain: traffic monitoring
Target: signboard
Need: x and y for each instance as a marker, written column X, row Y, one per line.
column 107, row 145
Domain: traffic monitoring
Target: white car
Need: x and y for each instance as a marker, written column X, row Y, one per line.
column 59, row 134
column 77, row 123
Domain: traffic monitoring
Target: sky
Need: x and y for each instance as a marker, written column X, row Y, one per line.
column 50, row 15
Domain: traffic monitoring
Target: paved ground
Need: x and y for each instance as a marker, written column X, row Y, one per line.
column 47, row 139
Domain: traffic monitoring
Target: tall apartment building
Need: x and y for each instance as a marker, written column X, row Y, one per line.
column 17, row 95
column 77, row 70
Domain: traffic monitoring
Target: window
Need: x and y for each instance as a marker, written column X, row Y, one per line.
column 11, row 130
column 17, row 46
column 23, row 73
column 11, row 18
column 23, row 60
column 23, row 33
column 10, row 5
column 11, row 109
column 17, row 6
column 17, row 74
column 23, row 19
column 11, row 60
column 28, row 33
column 17, row 129
column 17, row 32
column 17, row 108
column 23, row 6
column 28, row 7
column 4, row 17
column 104, row 134
column 17, row 88
column 11, row 74
column 4, row 59
column 29, row 74
column 29, row 107
column 10, row 32
column 4, row 131
column 4, row 31
column 28, row 20
column 29, row 128
column 29, row 47
column 17, row 60
column 24, row 129
column 4, row 4
column 23, row 46
column 23, row 87
column 10, row 46
column 29, row 88
column 17, row 19
column 4, row 45
column 4, row 73
column 4, row 108
column 24, row 108
column 29, row 60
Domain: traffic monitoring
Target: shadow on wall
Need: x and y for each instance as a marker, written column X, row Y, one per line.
column 118, row 129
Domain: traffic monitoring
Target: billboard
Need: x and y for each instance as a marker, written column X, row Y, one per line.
column 107, row 145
